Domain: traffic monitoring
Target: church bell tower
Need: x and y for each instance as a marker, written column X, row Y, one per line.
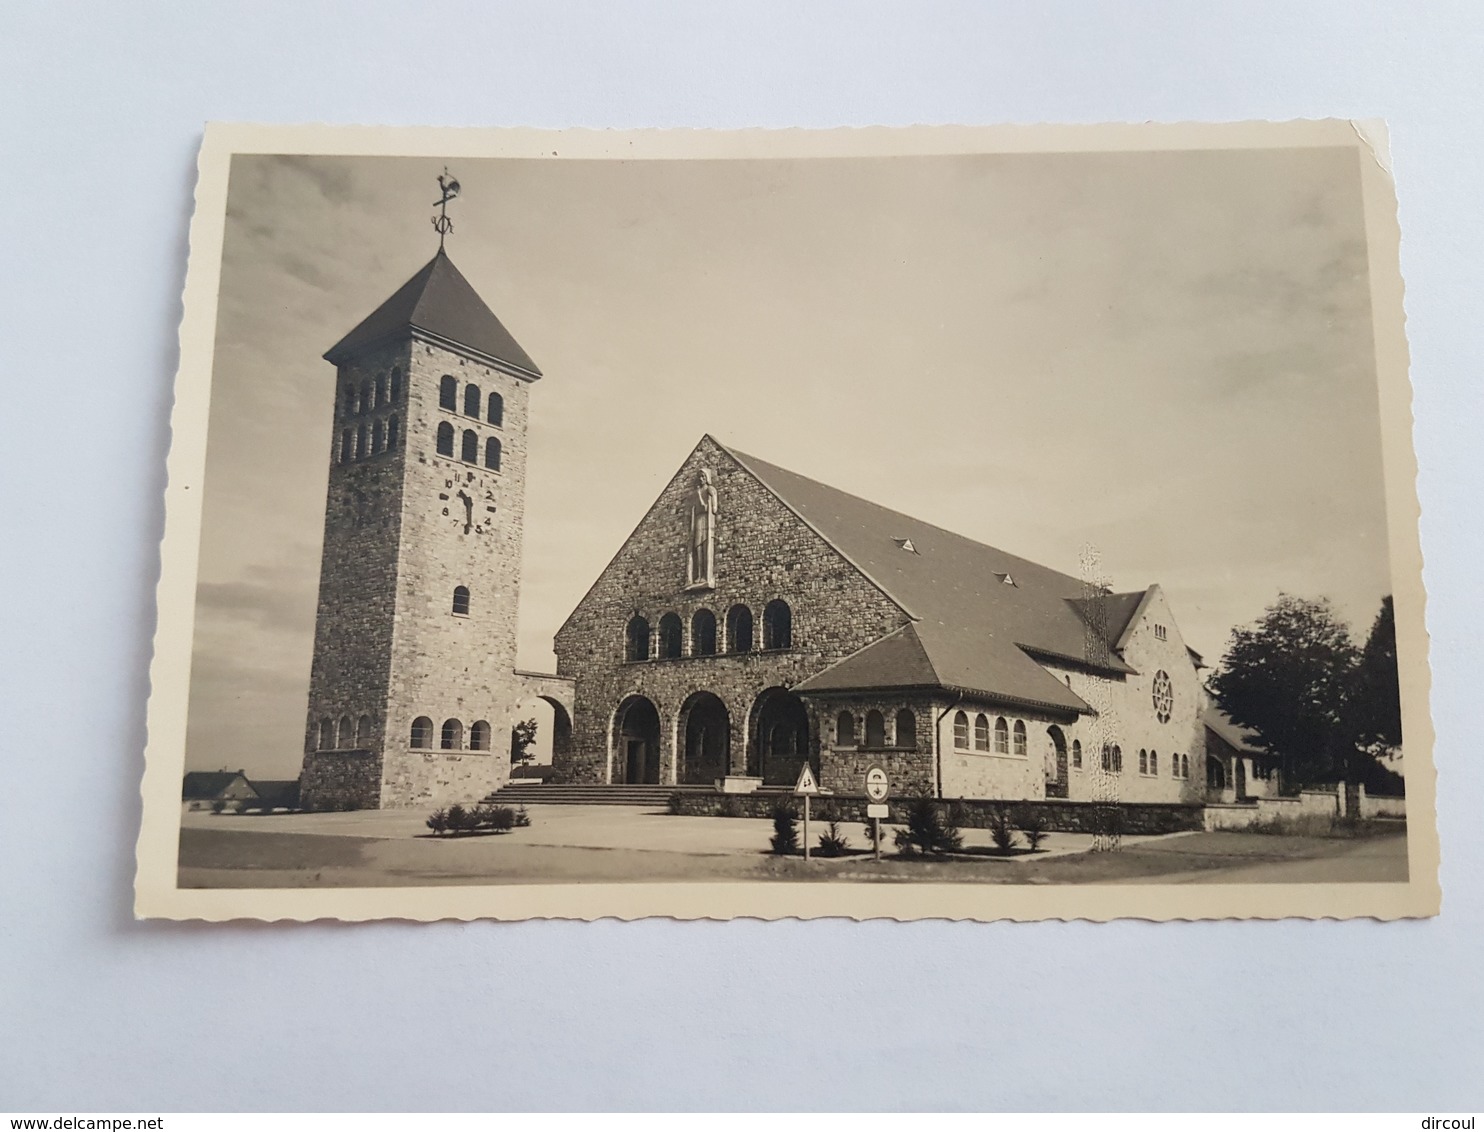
column 413, row 684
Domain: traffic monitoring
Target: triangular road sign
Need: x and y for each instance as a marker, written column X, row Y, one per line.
column 806, row 783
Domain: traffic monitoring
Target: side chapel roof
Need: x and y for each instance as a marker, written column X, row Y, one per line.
column 981, row 616
column 438, row 303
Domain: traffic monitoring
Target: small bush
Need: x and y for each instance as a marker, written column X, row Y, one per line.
column 673, row 802
column 438, row 822
column 522, row 819
column 458, row 819
column 926, row 831
column 1032, row 823
column 1001, row 829
column 501, row 819
column 832, row 843
column 785, row 829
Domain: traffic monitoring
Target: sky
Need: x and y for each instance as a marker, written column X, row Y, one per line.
column 1165, row 356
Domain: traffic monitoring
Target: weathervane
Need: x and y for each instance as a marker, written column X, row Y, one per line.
column 450, row 189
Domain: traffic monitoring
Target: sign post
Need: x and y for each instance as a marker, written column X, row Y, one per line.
column 806, row 788
column 878, row 787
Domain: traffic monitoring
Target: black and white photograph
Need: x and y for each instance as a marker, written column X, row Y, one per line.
column 966, row 523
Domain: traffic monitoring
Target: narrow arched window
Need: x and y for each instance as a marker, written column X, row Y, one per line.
column 1143, row 761
column 363, row 731
column 906, row 728
column 1153, row 762
column 380, row 389
column 739, row 629
column 391, row 432
column 346, row 739
column 778, row 630
column 703, row 633
column 492, row 453
column 670, row 640
column 327, row 735
column 471, row 401
column 479, row 736
column 875, row 729
column 470, row 454
column 1184, row 766
column 1076, row 754
column 1117, row 759
column 361, row 450
column 636, row 639
column 448, row 393
column 1020, row 738
column 1001, row 736
column 347, row 446
column 461, row 600
column 845, row 729
column 961, row 730
column 1108, row 757
column 452, row 737
column 378, row 436
column 396, row 384
column 497, row 409
column 981, row 732
column 422, row 732
column 445, row 439
column 366, row 396
column 348, row 400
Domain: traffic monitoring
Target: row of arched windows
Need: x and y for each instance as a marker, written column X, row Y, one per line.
column 1006, row 739
column 450, row 735
column 874, row 734
column 370, row 394
column 370, row 439
column 474, row 403
column 642, row 643
column 469, row 446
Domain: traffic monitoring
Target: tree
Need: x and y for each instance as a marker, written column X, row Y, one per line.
column 1376, row 705
column 522, row 738
column 1290, row 678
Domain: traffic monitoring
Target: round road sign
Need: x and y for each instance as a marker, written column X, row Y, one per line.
column 877, row 784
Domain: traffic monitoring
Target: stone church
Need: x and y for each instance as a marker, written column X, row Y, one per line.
column 757, row 619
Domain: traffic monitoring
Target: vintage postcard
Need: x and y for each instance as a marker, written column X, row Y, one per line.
column 940, row 522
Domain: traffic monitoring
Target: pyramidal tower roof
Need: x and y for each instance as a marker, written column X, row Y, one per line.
column 439, row 305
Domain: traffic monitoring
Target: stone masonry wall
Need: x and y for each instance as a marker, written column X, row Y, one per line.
column 763, row 551
column 341, row 780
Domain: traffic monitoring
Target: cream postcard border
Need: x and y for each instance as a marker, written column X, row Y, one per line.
column 156, row 894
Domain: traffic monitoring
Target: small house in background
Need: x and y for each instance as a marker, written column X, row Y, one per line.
column 277, row 794
column 1238, row 769
column 202, row 789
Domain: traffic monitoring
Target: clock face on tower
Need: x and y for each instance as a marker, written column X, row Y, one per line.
column 465, row 510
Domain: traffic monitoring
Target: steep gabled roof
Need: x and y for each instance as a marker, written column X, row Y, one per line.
column 977, row 610
column 203, row 785
column 1242, row 739
column 438, row 303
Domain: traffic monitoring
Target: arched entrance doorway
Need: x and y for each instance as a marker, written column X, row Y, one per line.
column 561, row 731
column 780, row 738
column 1056, row 768
column 636, row 740
column 1215, row 777
column 706, row 731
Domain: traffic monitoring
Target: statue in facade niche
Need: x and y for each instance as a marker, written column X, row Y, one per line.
column 701, row 567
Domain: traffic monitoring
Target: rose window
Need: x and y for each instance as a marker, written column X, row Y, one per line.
column 1164, row 696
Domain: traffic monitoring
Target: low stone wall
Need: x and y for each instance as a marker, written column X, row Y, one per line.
column 1061, row 816
column 341, row 780
column 1382, row 806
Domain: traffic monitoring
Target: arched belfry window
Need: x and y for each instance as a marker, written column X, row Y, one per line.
column 422, row 732
column 636, row 639
column 875, row 729
column 497, row 409
column 479, row 736
column 391, row 432
column 492, row 453
column 778, row 625
column 362, row 451
column 961, row 730
column 347, row 446
column 739, row 629
column 380, row 389
column 452, row 738
column 445, row 439
column 845, row 729
column 470, row 453
column 670, row 636
column 448, row 393
column 461, row 600
column 363, row 731
column 396, row 384
column 703, row 633
column 346, row 738
column 906, row 728
column 471, row 400
column 366, row 396
column 378, row 436
column 327, row 735
column 348, row 400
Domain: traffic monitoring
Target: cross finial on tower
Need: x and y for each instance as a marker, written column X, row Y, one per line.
column 450, row 188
